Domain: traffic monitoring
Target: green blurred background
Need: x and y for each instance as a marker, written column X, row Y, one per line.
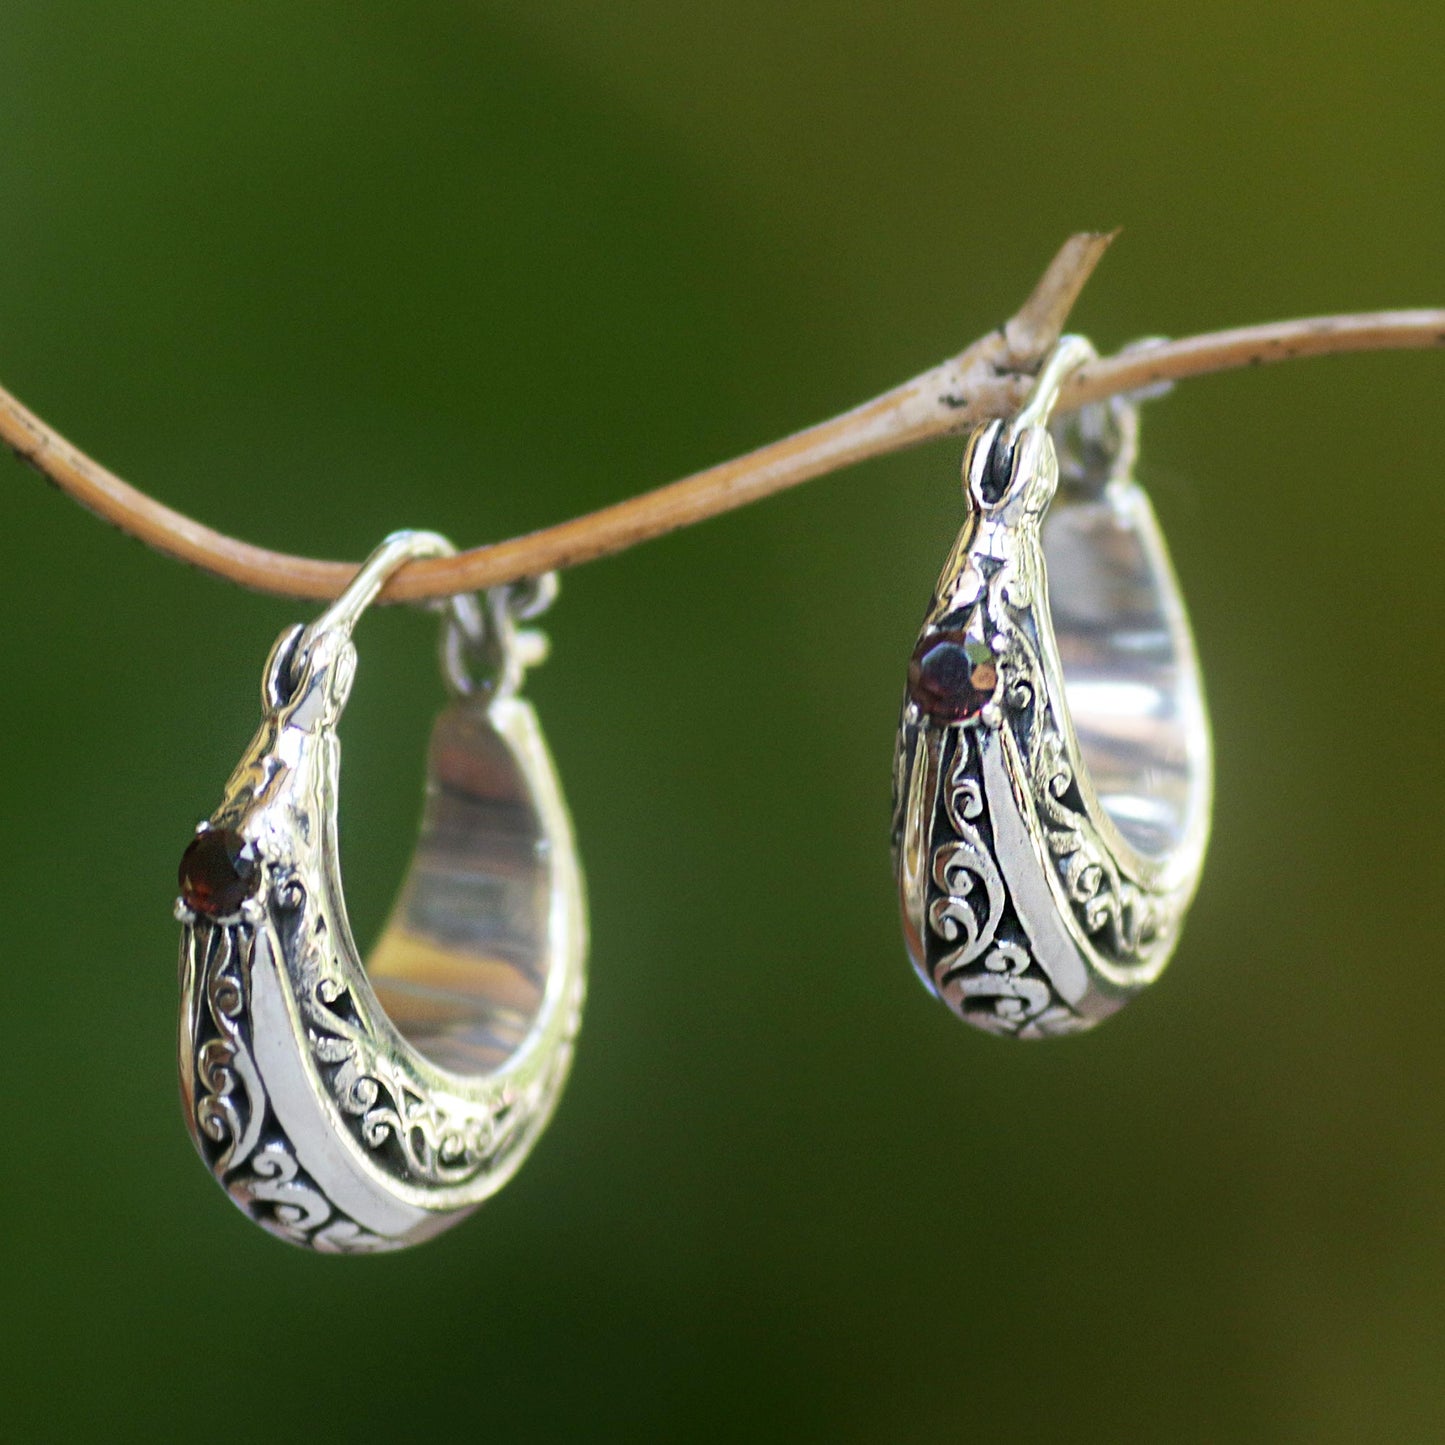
column 313, row 272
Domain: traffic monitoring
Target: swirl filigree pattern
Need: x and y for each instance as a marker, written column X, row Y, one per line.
column 231, row 1120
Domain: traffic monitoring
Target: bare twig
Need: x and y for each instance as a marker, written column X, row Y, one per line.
column 988, row 379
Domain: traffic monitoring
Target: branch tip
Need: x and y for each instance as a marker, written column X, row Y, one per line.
column 1039, row 322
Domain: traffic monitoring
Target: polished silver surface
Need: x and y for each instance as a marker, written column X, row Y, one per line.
column 1051, row 814
column 352, row 1109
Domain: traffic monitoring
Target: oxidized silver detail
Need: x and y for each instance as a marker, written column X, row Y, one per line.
column 1048, row 844
column 350, row 1111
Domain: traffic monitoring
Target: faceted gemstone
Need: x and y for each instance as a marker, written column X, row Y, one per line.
column 219, row 871
column 951, row 676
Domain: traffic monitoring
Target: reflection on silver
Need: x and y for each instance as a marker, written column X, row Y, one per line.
column 1050, row 822
column 352, row 1110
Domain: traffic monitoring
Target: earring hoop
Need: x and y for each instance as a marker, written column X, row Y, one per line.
column 1053, row 774
column 350, row 1109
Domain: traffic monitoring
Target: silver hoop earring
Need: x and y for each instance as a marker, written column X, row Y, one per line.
column 348, row 1109
column 1052, row 782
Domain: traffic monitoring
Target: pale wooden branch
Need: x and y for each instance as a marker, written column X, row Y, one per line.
column 986, row 380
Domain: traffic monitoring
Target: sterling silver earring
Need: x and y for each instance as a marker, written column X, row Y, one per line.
column 349, row 1109
column 1052, row 782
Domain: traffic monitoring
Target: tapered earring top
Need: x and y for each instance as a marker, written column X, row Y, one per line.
column 1053, row 774
column 350, row 1108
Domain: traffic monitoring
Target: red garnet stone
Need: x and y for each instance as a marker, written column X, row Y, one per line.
column 219, row 872
column 951, row 676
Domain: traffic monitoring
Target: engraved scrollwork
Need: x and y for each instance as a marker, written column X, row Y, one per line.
column 992, row 982
column 233, row 1125
column 298, row 1211
column 964, row 870
column 435, row 1144
column 1015, row 999
column 230, row 1106
column 1125, row 921
column 1009, row 994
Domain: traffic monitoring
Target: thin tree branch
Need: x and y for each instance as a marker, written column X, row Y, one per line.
column 986, row 380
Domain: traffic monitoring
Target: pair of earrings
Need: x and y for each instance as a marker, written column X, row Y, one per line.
column 1051, row 807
